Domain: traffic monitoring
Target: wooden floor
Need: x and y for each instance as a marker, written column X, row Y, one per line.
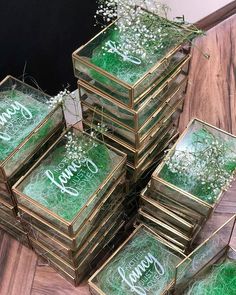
column 211, row 96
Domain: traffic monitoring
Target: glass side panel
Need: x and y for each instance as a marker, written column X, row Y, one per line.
column 64, row 185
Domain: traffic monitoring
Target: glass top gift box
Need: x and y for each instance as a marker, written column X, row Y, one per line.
column 70, row 180
column 107, row 64
column 26, row 123
column 143, row 264
column 198, row 168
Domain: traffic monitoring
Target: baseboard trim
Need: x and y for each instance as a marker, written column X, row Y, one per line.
column 217, row 17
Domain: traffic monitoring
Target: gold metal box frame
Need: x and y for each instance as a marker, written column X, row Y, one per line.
column 92, row 280
column 155, row 209
column 74, row 258
column 8, row 166
column 76, row 275
column 135, row 156
column 15, row 232
column 70, row 228
column 146, row 109
column 178, row 194
column 169, row 233
column 130, row 94
column 6, row 194
column 7, row 208
column 90, row 229
column 75, row 241
column 137, row 139
column 212, row 250
column 154, row 158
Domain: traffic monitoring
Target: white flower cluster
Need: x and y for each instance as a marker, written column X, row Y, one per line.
column 206, row 164
column 58, row 99
column 138, row 29
column 77, row 148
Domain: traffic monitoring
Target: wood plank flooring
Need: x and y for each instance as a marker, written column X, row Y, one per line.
column 211, row 96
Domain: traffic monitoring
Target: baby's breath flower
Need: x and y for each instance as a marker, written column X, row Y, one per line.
column 58, row 99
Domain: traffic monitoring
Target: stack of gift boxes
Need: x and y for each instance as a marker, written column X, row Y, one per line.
column 72, row 208
column 139, row 118
column 189, row 183
column 27, row 127
column 62, row 190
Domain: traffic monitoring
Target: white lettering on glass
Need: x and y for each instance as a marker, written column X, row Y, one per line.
column 68, row 173
column 8, row 115
column 113, row 49
column 138, row 271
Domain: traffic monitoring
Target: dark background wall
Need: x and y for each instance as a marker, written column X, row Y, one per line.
column 42, row 35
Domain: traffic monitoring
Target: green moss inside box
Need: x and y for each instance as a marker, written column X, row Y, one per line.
column 62, row 185
column 22, row 110
column 104, row 53
column 142, row 266
column 203, row 162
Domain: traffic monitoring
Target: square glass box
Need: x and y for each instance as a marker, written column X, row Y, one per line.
column 214, row 250
column 184, row 144
column 137, row 139
column 144, row 110
column 143, row 256
column 175, row 207
column 25, row 116
column 88, row 227
column 109, row 163
column 128, row 93
column 78, row 273
column 155, row 209
column 170, row 233
column 91, row 231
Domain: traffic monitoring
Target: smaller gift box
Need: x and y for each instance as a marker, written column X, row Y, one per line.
column 175, row 206
column 212, row 253
column 64, row 191
column 143, row 264
column 118, row 76
column 198, row 168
